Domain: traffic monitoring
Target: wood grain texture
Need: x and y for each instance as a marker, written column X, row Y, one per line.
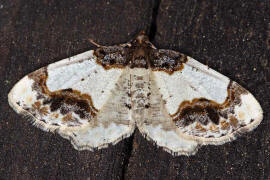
column 232, row 37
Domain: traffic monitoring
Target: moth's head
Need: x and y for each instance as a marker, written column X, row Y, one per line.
column 141, row 41
column 142, row 38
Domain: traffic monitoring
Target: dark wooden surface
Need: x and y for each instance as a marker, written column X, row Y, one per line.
column 231, row 36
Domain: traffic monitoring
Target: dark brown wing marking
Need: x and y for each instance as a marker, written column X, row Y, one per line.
column 167, row 60
column 111, row 57
column 63, row 101
column 202, row 112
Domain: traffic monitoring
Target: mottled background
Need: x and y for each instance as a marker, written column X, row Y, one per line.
column 230, row 36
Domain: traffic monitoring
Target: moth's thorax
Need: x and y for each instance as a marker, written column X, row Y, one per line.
column 140, row 57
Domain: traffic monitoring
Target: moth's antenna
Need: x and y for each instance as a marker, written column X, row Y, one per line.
column 94, row 43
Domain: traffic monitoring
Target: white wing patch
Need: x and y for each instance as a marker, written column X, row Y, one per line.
column 194, row 81
column 84, row 75
column 98, row 98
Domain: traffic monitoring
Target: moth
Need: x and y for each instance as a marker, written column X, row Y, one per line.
column 99, row 97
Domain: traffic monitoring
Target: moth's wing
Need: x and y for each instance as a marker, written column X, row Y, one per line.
column 200, row 106
column 77, row 98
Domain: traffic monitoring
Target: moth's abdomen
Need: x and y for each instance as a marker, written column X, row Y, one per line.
column 140, row 91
